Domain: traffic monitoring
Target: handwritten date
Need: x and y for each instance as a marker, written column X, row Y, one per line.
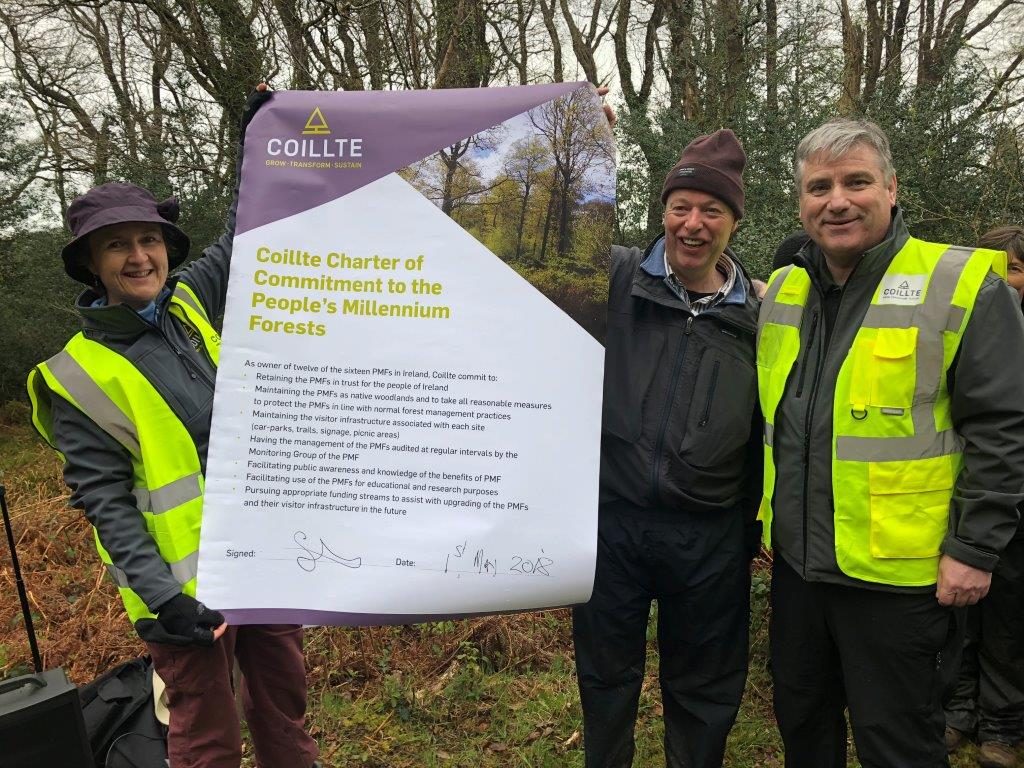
column 484, row 564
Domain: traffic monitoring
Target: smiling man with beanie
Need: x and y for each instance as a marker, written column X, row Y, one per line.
column 680, row 474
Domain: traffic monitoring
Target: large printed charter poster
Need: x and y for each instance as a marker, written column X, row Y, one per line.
column 407, row 417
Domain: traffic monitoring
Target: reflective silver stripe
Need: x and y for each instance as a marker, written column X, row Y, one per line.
column 889, row 316
column 787, row 314
column 119, row 577
column 174, row 494
column 94, row 401
column 141, row 499
column 186, row 297
column 934, row 316
column 186, row 569
column 931, row 318
column 167, row 497
column 769, row 434
column 956, row 318
column 776, row 285
column 768, row 301
column 898, row 448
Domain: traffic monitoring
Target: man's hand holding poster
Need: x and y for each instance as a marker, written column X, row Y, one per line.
column 408, row 407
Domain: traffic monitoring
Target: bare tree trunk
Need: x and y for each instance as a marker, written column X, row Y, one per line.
column 521, row 62
column 575, row 145
column 370, row 21
column 552, row 200
column 296, row 44
column 734, row 68
column 853, row 62
column 892, row 80
column 584, row 44
column 461, row 51
column 944, row 36
column 873, row 46
column 638, row 99
column 450, row 157
column 547, row 8
column 522, row 221
column 682, row 70
column 565, row 197
column 220, row 51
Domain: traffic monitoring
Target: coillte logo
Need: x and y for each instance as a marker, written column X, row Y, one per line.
column 322, row 148
column 902, row 289
column 316, row 124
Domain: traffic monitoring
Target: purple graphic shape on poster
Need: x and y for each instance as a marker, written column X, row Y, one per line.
column 362, row 136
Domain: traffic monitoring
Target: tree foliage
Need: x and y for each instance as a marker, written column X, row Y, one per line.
column 150, row 91
column 20, row 162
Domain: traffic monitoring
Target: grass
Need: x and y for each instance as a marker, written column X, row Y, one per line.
column 497, row 692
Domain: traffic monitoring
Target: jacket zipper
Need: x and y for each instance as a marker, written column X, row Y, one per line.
column 813, row 399
column 194, row 371
column 660, row 443
column 185, row 362
column 803, row 368
column 711, row 396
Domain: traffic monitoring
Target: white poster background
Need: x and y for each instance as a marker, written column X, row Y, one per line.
column 435, row 559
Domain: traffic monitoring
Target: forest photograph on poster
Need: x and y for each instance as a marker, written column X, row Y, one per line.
column 538, row 191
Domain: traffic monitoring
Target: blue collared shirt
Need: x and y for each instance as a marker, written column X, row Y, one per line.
column 733, row 291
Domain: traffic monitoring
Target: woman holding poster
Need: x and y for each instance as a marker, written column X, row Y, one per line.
column 128, row 403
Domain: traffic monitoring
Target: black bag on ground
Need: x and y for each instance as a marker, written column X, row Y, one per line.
column 41, row 722
column 120, row 719
column 40, row 717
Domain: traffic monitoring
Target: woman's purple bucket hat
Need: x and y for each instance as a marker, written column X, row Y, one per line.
column 118, row 203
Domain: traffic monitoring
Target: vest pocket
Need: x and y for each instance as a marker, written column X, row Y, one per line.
column 909, row 507
column 721, row 409
column 884, row 371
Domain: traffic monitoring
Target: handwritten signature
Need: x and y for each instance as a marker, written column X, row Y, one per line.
column 311, row 555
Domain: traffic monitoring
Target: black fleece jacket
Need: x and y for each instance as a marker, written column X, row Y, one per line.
column 681, row 428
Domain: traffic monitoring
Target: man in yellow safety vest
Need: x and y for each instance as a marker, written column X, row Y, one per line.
column 894, row 457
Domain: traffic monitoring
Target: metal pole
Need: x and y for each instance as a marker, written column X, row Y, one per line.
column 22, row 594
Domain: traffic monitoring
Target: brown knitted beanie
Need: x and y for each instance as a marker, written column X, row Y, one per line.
column 712, row 164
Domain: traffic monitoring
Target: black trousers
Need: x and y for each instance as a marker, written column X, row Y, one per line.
column 696, row 568
column 889, row 657
column 989, row 693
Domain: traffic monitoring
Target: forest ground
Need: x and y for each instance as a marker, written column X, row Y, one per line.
column 497, row 691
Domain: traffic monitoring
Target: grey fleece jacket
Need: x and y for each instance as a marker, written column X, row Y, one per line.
column 987, row 411
column 98, row 469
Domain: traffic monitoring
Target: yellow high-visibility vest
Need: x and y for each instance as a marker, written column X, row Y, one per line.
column 167, row 474
column 895, row 454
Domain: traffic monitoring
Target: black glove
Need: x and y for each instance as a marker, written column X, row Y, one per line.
column 188, row 621
column 252, row 106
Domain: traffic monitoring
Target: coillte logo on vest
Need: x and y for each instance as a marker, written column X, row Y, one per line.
column 902, row 289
